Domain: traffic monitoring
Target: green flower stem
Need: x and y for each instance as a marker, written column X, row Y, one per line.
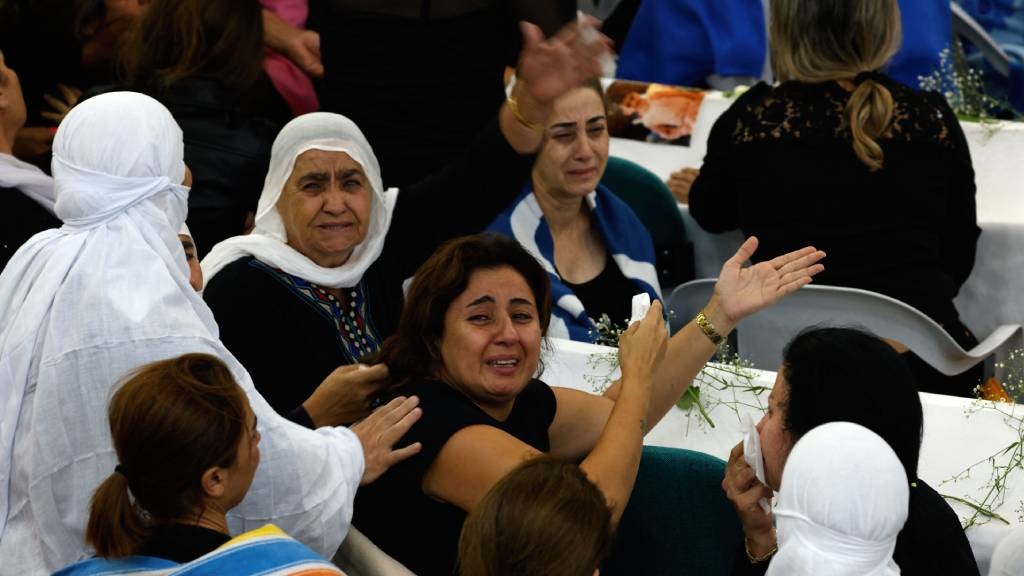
column 700, row 406
column 979, row 509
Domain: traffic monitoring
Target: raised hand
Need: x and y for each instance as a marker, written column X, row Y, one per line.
column 742, row 291
column 379, row 432
column 299, row 45
column 553, row 66
column 642, row 346
column 59, row 107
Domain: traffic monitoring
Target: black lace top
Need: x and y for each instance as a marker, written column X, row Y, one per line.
column 780, row 165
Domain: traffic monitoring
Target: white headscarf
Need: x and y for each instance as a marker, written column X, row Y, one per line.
column 843, row 502
column 268, row 241
column 27, row 179
column 83, row 305
column 1008, row 557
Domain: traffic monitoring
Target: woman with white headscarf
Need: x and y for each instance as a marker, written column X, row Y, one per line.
column 820, row 366
column 844, row 500
column 320, row 278
column 83, row 305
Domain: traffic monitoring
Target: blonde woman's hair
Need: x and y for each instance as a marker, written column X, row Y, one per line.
column 820, row 40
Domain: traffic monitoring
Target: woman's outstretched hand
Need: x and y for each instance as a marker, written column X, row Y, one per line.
column 742, row 291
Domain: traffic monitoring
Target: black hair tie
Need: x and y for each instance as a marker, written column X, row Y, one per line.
column 867, row 75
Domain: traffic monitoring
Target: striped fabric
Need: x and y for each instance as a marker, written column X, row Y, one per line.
column 624, row 236
column 267, row 551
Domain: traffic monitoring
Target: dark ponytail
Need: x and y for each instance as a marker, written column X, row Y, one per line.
column 116, row 526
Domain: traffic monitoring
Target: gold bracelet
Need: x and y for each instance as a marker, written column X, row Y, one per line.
column 513, row 106
column 758, row 559
column 708, row 329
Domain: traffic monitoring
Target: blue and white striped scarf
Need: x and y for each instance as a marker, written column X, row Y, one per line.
column 624, row 236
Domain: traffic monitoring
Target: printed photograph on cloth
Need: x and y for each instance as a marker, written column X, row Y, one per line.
column 653, row 112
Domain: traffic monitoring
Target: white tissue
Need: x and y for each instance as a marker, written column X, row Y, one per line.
column 752, row 455
column 641, row 304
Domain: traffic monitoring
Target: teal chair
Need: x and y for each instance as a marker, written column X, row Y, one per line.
column 654, row 204
column 678, row 521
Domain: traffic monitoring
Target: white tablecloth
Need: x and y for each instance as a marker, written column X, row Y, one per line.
column 957, row 433
column 994, row 293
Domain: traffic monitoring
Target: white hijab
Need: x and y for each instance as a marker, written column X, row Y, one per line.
column 27, row 179
column 1008, row 557
column 843, row 502
column 83, row 305
column 268, row 241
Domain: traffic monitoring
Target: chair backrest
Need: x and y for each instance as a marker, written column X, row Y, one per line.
column 678, row 520
column 1006, row 59
column 655, row 206
column 763, row 336
column 966, row 26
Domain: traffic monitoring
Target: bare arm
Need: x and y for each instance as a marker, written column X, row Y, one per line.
column 739, row 293
column 613, row 458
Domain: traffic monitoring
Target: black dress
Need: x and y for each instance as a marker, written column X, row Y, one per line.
column 780, row 165
column 420, row 532
column 290, row 337
column 20, row 219
column 931, row 542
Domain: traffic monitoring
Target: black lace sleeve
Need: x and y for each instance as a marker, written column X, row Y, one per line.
column 961, row 231
column 713, row 196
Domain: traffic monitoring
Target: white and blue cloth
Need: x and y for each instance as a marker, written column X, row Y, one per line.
column 624, row 236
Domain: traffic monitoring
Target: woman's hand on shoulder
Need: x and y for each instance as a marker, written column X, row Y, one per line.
column 345, row 395
column 745, row 491
column 742, row 291
column 642, row 346
column 379, row 432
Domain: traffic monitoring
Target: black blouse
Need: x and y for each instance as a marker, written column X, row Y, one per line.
column 420, row 532
column 610, row 292
column 780, row 165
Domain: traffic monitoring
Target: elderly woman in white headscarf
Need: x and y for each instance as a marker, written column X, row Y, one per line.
column 318, row 283
column 843, row 502
column 83, row 305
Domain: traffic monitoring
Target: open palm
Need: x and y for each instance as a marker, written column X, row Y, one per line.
column 553, row 66
column 742, row 291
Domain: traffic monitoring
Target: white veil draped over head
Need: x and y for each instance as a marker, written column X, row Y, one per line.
column 843, row 502
column 268, row 240
column 84, row 305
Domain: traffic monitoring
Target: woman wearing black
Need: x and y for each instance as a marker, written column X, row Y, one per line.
column 845, row 158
